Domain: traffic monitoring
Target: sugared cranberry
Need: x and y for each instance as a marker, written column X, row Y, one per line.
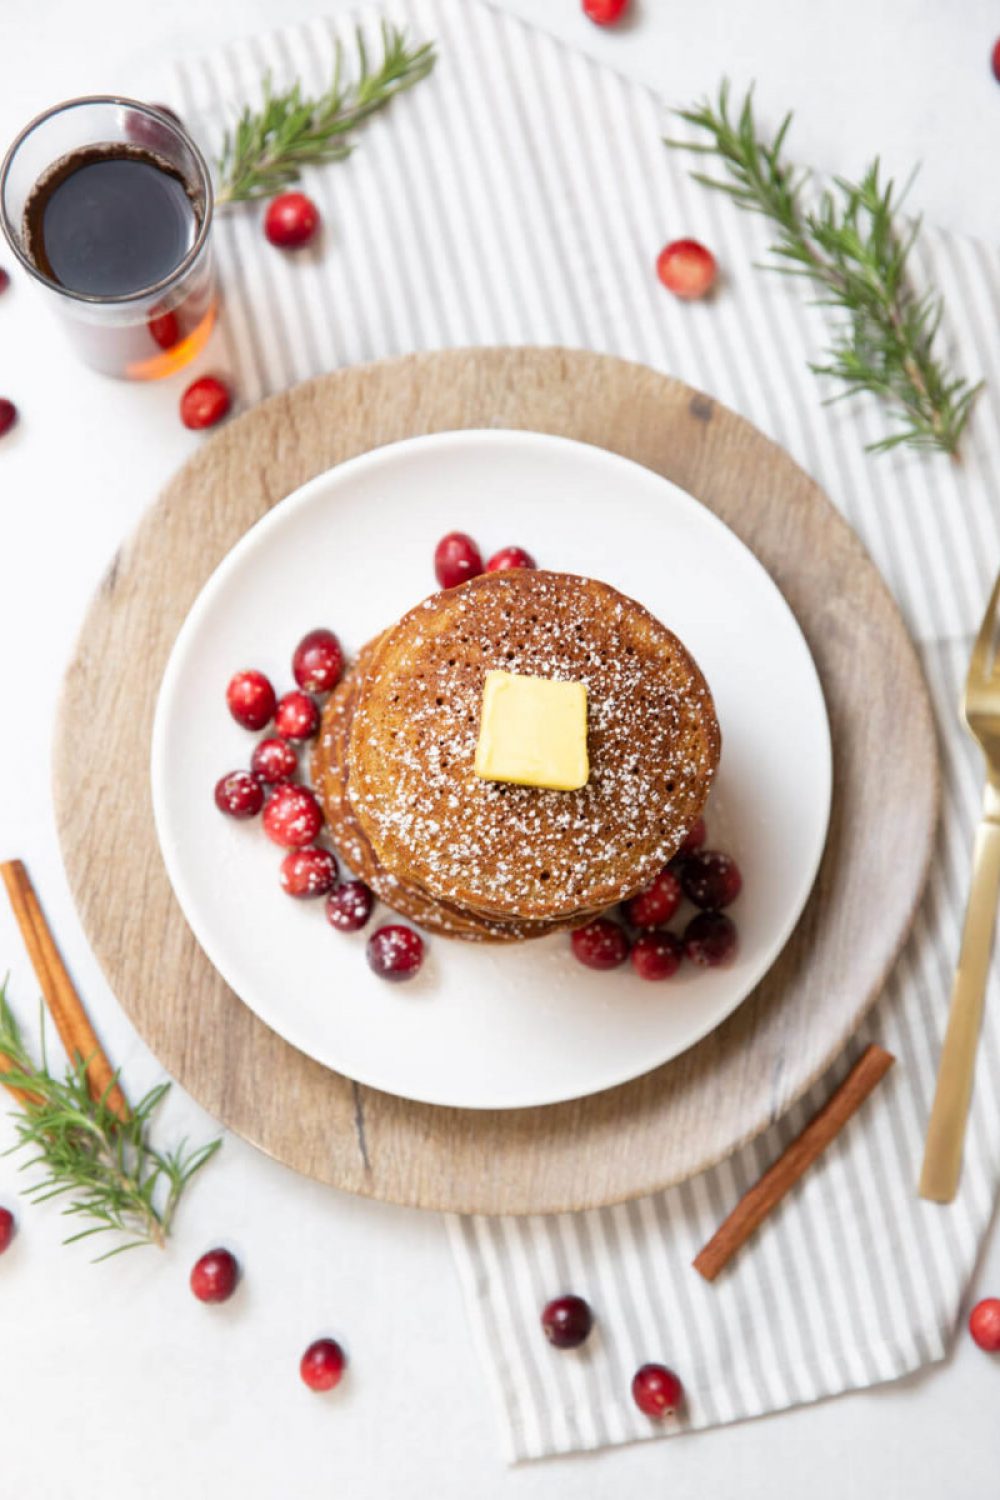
column 696, row 836
column 4, row 279
column 656, row 1391
column 291, row 220
column 567, row 1321
column 274, row 760
column 510, row 557
column 239, row 794
column 711, row 879
column 602, row 944
column 984, row 1324
column 456, row 558
column 395, row 952
column 296, row 717
column 322, row 1365
column 7, row 1225
column 8, row 415
column 605, row 12
column 686, row 268
column 709, row 938
column 214, row 1277
column 204, row 403
column 308, row 872
column 164, row 329
column 657, row 955
column 349, row 906
column 654, row 906
column 318, row 661
column 251, row 699
column 996, row 60
column 292, row 817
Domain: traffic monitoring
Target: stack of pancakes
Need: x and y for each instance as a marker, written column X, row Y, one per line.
column 489, row 861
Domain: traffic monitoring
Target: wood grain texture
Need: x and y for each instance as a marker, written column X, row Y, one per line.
column 627, row 1141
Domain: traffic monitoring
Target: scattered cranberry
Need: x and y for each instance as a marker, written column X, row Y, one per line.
column 322, row 1365
column 8, row 415
column 291, row 220
column 145, row 131
column 349, row 906
column 657, row 955
column 656, row 1391
column 251, row 699
column 605, row 12
column 711, row 879
column 709, row 938
column 395, row 952
column 239, row 794
column 510, row 557
column 686, row 268
column 695, row 838
column 6, row 1229
column 654, row 906
column 204, row 403
column 996, row 60
column 274, row 761
column 318, row 661
column 296, row 717
column 984, row 1322
column 4, row 279
column 292, row 817
column 308, row 872
column 602, row 944
column 456, row 558
column 165, row 329
column 214, row 1277
column 567, row 1322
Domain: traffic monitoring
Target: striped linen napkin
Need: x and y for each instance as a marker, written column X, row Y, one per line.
column 521, row 196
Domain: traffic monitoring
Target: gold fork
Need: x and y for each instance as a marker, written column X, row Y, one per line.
column 946, row 1132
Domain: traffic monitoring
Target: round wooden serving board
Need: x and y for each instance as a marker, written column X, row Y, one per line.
column 631, row 1140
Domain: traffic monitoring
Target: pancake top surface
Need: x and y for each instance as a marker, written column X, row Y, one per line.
column 653, row 741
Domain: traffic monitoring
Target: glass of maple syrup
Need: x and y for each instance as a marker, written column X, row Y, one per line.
column 107, row 203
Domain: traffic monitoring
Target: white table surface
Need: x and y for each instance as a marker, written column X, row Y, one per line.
column 112, row 1378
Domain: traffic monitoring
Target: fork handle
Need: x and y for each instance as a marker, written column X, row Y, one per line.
column 946, row 1132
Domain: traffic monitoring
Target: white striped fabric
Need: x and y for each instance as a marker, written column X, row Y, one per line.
column 521, row 197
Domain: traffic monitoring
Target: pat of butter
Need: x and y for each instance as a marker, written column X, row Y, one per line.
column 533, row 732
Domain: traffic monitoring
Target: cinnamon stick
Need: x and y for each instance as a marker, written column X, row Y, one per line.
column 758, row 1201
column 71, row 1020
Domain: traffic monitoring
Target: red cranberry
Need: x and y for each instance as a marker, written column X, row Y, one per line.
column 657, row 955
column 395, row 952
column 711, row 879
column 654, row 906
column 322, row 1365
column 204, row 403
column 349, row 906
column 318, row 661
column 7, row 1223
column 291, row 220
column 996, row 60
column 602, row 944
column 709, row 938
column 214, row 1277
column 239, row 794
column 165, row 329
column 292, row 817
column 510, row 557
column 8, row 415
column 251, row 699
column 145, row 131
column 984, row 1324
column 4, row 279
column 686, row 268
column 696, row 836
column 456, row 558
column 567, row 1321
column 605, row 12
column 274, row 761
column 297, row 717
column 308, row 872
column 656, row 1391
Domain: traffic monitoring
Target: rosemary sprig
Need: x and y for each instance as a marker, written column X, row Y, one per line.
column 270, row 146
column 117, row 1179
column 847, row 242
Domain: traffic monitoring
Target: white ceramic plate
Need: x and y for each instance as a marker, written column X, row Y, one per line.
column 486, row 1027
